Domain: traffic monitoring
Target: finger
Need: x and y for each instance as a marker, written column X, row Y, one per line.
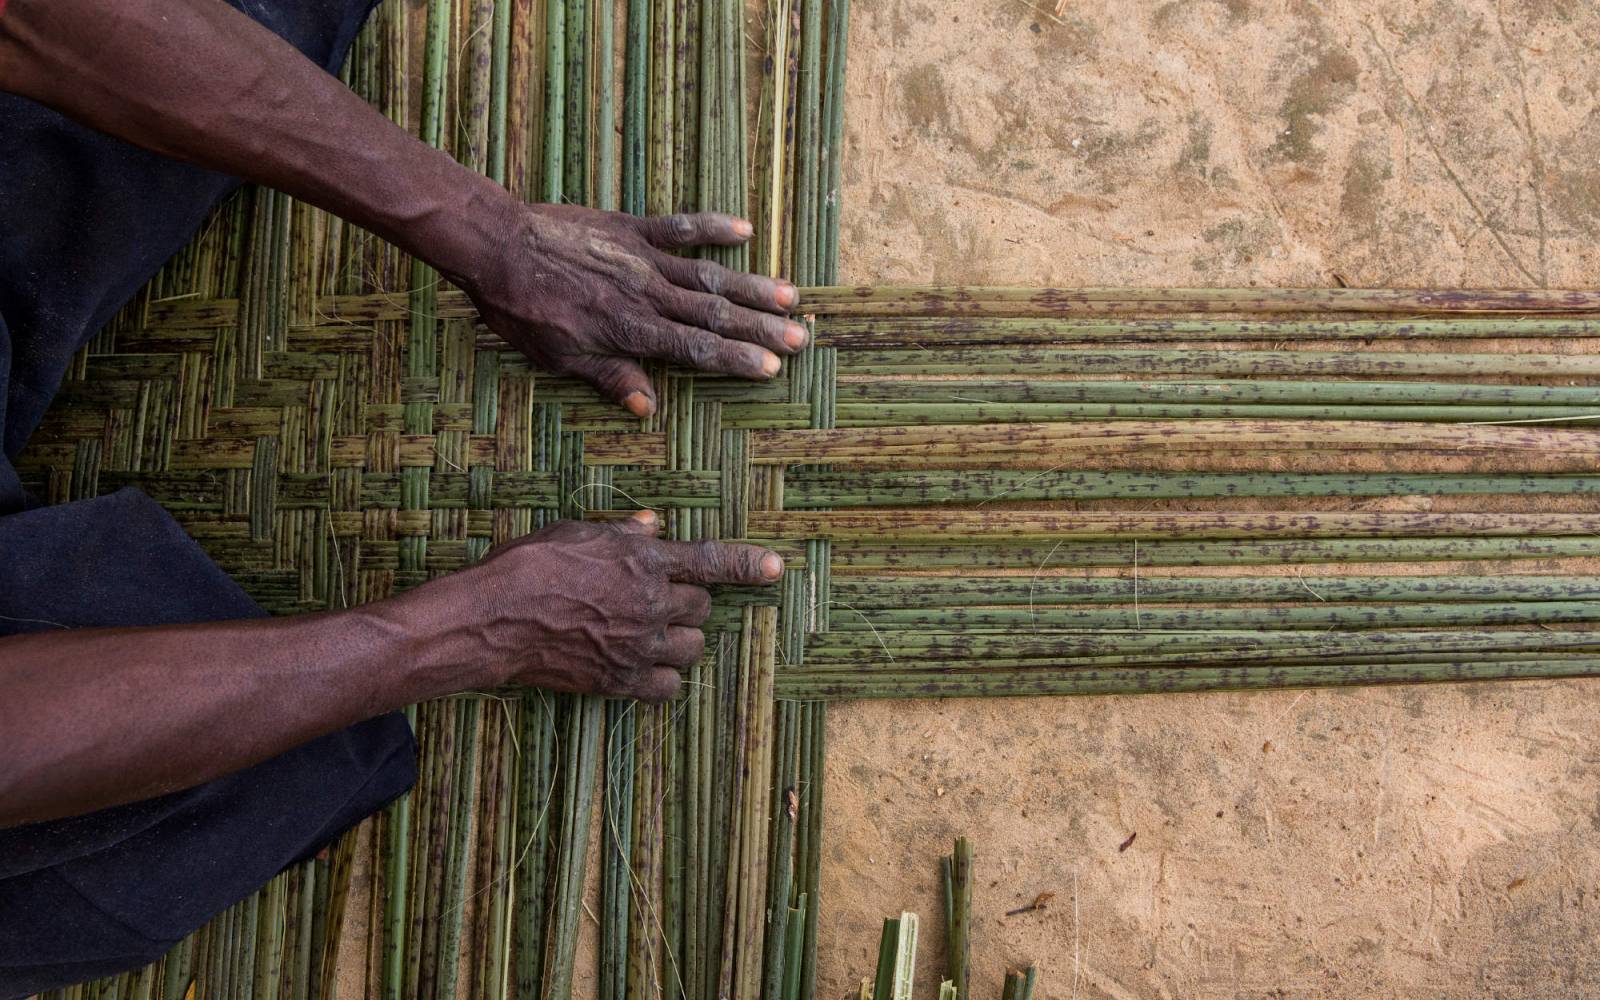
column 753, row 290
column 721, row 317
column 620, row 380
column 704, row 351
column 654, row 684
column 688, row 605
column 642, row 522
column 719, row 562
column 683, row 646
column 692, row 229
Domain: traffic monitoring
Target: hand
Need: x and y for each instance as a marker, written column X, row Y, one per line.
column 584, row 606
column 583, row 292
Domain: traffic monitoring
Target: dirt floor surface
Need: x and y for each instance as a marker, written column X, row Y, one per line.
column 1399, row 842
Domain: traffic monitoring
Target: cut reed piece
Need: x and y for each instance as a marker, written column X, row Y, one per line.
column 956, row 300
column 1019, row 985
column 905, row 957
column 958, row 921
column 897, row 960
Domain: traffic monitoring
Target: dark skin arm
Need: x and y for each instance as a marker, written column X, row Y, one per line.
column 116, row 715
column 581, row 292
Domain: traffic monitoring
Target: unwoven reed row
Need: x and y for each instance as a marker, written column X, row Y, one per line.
column 961, row 410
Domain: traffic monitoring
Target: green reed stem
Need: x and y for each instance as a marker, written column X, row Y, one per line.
column 938, row 300
column 1047, row 361
column 890, row 330
column 812, row 489
column 1292, row 390
column 1027, row 683
column 1032, row 556
column 867, row 592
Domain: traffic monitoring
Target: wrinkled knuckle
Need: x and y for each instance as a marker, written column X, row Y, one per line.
column 710, row 277
column 711, row 555
column 719, row 313
column 699, row 352
column 680, row 228
column 653, row 605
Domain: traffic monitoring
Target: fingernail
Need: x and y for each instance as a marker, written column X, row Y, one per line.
column 770, row 363
column 742, row 228
column 794, row 335
column 771, row 566
column 645, row 516
column 638, row 404
column 788, row 295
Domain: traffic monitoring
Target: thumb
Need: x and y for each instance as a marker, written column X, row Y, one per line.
column 622, row 381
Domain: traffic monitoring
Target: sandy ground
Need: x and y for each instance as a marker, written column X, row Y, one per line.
column 1407, row 842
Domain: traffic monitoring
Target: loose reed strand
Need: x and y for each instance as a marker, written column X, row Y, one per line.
column 1029, row 683
column 1278, row 391
column 876, row 332
column 1045, row 361
column 958, row 300
column 807, row 489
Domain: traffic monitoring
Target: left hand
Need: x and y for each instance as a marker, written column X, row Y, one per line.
column 584, row 292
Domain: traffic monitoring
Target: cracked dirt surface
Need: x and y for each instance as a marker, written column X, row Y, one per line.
column 1439, row 841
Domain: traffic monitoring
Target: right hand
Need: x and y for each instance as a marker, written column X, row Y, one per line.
column 585, row 606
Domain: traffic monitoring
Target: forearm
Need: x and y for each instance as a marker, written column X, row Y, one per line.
column 196, row 80
column 97, row 717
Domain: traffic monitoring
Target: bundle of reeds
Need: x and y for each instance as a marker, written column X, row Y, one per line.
column 962, row 481
column 995, row 536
